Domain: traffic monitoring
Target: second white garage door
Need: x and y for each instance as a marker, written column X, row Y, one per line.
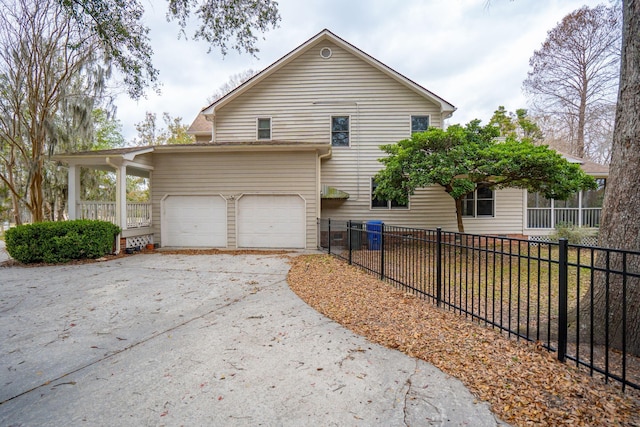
column 271, row 221
column 194, row 221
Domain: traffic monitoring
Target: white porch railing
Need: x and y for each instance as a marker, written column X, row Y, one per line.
column 105, row 211
column 591, row 217
column 138, row 213
column 551, row 217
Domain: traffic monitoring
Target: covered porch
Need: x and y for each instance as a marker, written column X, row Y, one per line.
column 133, row 217
column 583, row 210
column 138, row 213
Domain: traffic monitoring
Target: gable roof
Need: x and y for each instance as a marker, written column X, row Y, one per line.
column 200, row 126
column 326, row 35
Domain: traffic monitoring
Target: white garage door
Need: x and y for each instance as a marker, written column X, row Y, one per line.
column 194, row 221
column 271, row 221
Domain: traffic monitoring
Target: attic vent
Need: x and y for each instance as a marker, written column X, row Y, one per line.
column 325, row 52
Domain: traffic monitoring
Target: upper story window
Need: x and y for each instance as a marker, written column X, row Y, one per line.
column 264, row 128
column 419, row 124
column 479, row 202
column 340, row 131
column 384, row 204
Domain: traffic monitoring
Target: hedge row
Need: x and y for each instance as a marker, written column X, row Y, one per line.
column 55, row 242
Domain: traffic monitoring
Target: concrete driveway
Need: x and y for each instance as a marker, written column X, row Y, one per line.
column 200, row 340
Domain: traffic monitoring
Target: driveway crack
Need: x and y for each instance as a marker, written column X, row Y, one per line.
column 117, row 352
column 408, row 384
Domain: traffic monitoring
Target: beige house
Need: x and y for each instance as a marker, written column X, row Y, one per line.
column 297, row 142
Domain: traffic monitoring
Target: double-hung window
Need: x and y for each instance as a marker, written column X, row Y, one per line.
column 479, row 203
column 419, row 124
column 264, row 128
column 377, row 203
column 340, row 131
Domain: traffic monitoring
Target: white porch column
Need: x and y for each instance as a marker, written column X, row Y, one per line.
column 73, row 194
column 580, row 208
column 121, row 197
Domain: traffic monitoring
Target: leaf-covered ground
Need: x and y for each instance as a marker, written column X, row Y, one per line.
column 525, row 385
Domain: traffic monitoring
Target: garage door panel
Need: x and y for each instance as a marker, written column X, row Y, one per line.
column 194, row 221
column 271, row 221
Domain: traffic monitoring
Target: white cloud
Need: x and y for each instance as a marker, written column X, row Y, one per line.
column 472, row 53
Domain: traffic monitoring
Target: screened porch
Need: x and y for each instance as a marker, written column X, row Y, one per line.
column 582, row 210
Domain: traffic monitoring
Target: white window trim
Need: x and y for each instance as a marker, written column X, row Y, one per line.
column 475, row 210
column 331, row 131
column 326, row 49
column 389, row 207
column 258, row 128
column 418, row 115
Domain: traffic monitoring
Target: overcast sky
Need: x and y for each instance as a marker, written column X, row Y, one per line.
column 473, row 55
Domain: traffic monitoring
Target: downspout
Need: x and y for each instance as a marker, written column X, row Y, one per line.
column 354, row 139
column 212, row 119
column 445, row 115
column 357, row 139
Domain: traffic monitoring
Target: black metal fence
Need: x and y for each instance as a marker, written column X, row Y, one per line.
column 571, row 299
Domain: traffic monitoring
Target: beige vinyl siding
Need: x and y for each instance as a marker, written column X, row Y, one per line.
column 144, row 159
column 302, row 96
column 232, row 174
column 428, row 208
column 432, row 207
column 508, row 217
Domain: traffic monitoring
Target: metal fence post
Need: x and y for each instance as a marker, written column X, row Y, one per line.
column 329, row 236
column 563, row 274
column 439, row 266
column 382, row 251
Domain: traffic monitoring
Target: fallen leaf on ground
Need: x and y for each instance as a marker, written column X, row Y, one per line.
column 523, row 383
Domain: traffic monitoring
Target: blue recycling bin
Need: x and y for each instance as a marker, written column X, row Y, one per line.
column 374, row 234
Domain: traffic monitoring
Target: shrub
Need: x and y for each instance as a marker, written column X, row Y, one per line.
column 55, row 242
column 574, row 234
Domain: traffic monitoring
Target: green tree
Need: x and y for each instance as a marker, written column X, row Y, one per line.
column 52, row 73
column 99, row 185
column 173, row 132
column 147, row 132
column 107, row 131
column 461, row 158
column 516, row 125
column 223, row 24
